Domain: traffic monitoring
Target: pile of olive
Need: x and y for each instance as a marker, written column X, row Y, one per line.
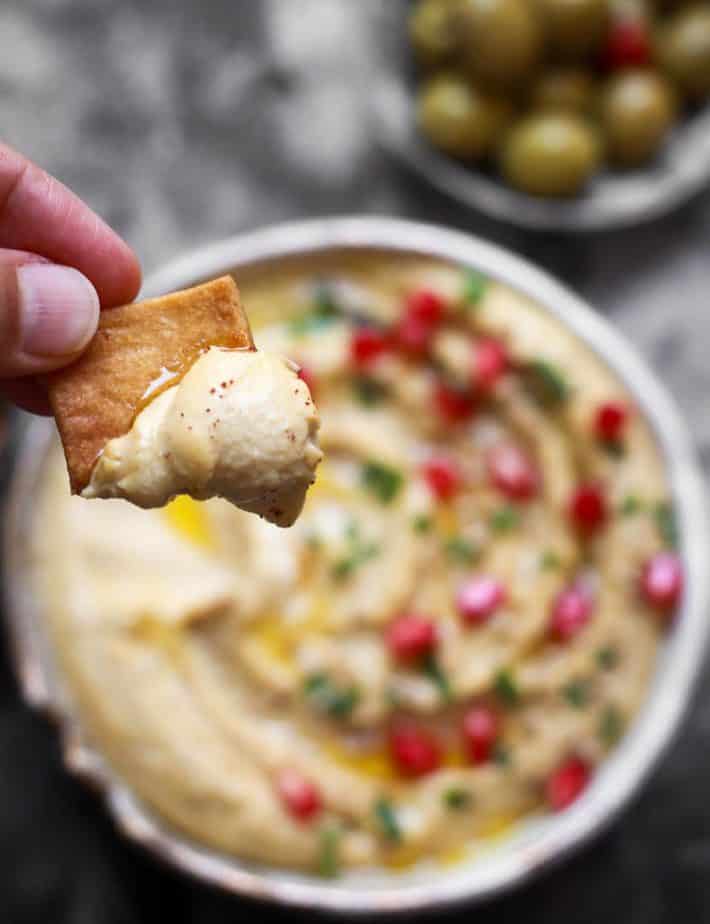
column 551, row 89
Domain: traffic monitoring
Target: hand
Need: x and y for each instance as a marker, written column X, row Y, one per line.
column 59, row 264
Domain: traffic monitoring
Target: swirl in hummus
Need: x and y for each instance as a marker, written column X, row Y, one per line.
column 239, row 425
column 458, row 628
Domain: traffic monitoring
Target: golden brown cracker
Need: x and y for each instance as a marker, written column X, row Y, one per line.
column 136, row 348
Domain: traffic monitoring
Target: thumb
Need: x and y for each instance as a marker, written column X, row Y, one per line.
column 48, row 314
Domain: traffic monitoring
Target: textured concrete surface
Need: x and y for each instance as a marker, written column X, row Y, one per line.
column 182, row 121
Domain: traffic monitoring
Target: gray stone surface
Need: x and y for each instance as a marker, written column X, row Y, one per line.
column 182, row 121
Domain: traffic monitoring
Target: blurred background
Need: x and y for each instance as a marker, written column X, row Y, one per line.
column 183, row 121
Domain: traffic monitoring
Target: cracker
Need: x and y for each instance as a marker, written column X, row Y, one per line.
column 136, row 348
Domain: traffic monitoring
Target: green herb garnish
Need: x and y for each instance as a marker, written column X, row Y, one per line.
column 611, row 725
column 504, row 519
column 506, row 688
column 324, row 311
column 422, row 523
column 382, row 480
column 461, row 550
column 387, row 818
column 576, row 692
column 666, row 522
column 630, row 506
column 358, row 553
column 474, row 286
column 328, row 853
column 434, row 672
column 456, row 798
column 607, row 658
column 369, row 392
column 614, row 448
column 547, row 382
column 501, row 755
column 550, row 561
column 326, row 697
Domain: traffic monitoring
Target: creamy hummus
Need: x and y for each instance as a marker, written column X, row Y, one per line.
column 240, row 425
column 455, row 632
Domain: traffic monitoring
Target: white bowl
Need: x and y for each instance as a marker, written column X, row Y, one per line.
column 534, row 843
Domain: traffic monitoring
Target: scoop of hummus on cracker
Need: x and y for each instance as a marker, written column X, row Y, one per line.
column 172, row 397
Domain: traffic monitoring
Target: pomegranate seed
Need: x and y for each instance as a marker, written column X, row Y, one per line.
column 481, row 728
column 479, row 598
column 425, row 305
column 453, row 405
column 306, row 375
column 367, row 344
column 588, row 508
column 571, row 611
column 610, row 421
column 413, row 336
column 662, row 580
column 415, row 751
column 411, row 636
column 628, row 44
column 513, row 472
column 567, row 783
column 299, row 796
column 490, row 363
column 443, row 477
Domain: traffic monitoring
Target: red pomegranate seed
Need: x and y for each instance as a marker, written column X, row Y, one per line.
column 610, row 421
column 481, row 728
column 490, row 363
column 662, row 580
column 443, row 477
column 453, row 404
column 571, row 612
column 567, row 783
column 415, row 751
column 628, row 44
column 413, row 336
column 479, row 598
column 367, row 344
column 588, row 508
column 513, row 473
column 425, row 305
column 411, row 636
column 306, row 375
column 299, row 796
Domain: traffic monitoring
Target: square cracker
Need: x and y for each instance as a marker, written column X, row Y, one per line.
column 137, row 347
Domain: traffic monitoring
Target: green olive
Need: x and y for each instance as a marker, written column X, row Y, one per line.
column 550, row 154
column 501, row 40
column 574, row 28
column 460, row 118
column 684, row 50
column 637, row 110
column 432, row 31
column 564, row 91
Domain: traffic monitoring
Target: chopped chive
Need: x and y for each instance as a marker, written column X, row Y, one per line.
column 434, row 672
column 666, row 523
column 506, row 688
column 630, row 506
column 461, row 550
column 369, row 392
column 576, row 692
column 607, row 658
column 504, row 519
column 324, row 310
column 422, row 523
column 547, row 382
column 501, row 755
column 614, row 448
column 456, row 798
column 326, row 697
column 550, row 561
column 611, row 725
column 382, row 480
column 474, row 286
column 387, row 818
column 328, row 853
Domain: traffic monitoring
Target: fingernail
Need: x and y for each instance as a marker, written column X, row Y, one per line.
column 59, row 309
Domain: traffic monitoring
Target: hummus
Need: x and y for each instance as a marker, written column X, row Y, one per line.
column 459, row 627
column 239, row 425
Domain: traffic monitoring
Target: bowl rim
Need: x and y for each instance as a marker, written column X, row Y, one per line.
column 622, row 773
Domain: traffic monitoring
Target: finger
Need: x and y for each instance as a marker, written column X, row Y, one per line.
column 48, row 314
column 39, row 214
column 27, row 394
